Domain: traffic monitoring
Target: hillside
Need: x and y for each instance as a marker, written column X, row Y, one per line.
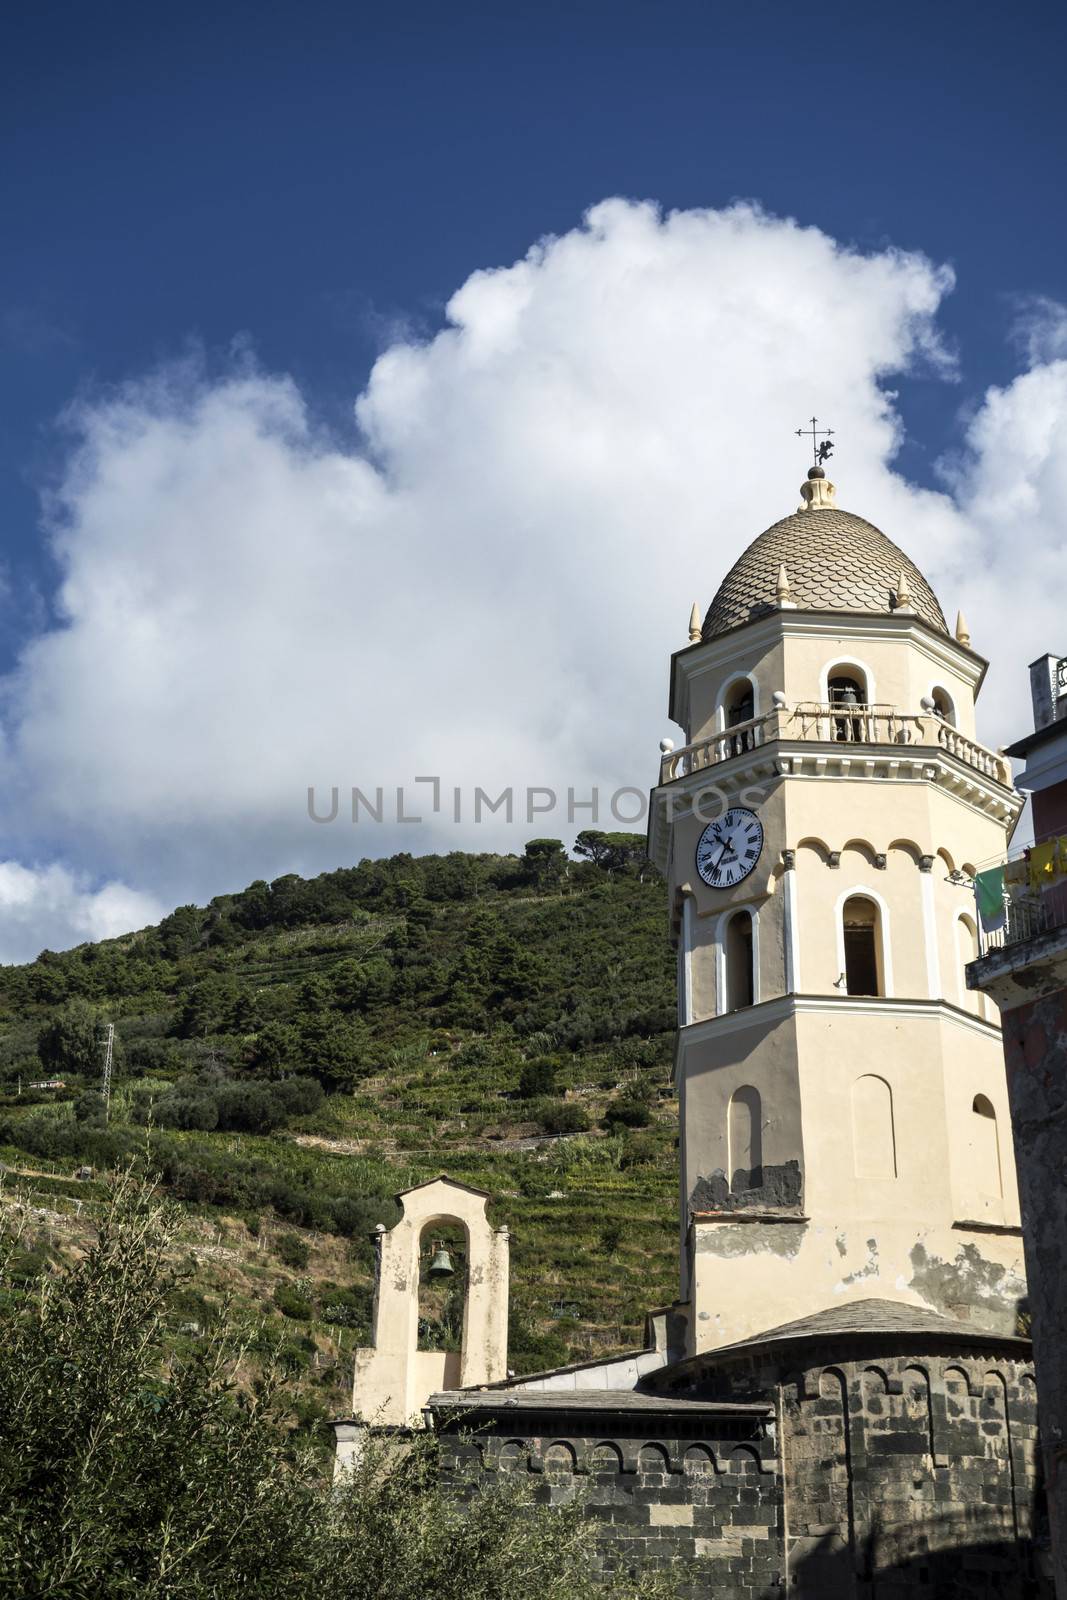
column 292, row 1055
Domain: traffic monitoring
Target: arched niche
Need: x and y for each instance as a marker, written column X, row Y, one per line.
column 745, row 1138
column 983, row 1149
column 968, row 949
column 874, row 1143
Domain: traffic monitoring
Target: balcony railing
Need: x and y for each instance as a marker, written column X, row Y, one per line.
column 1027, row 893
column 812, row 721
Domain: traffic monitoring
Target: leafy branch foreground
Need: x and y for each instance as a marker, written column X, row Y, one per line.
column 128, row 1471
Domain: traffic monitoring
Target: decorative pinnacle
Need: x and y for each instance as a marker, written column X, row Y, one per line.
column 902, row 598
column 820, row 452
column 963, row 633
column 782, row 591
column 694, row 625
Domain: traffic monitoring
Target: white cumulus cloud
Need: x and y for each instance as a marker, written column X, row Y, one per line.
column 52, row 908
column 485, row 581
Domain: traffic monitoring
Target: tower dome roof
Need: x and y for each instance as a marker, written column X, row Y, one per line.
column 835, row 561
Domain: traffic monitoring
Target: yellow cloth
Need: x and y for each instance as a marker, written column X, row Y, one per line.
column 1043, row 865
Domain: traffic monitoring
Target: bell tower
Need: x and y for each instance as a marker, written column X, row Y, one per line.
column 844, row 1118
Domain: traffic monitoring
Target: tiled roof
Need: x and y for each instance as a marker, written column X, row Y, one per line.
column 835, row 561
column 618, row 1400
column 872, row 1317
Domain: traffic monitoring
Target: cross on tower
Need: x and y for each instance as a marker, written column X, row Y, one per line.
column 820, row 451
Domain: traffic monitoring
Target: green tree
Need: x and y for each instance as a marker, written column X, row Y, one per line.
column 614, row 852
column 545, row 862
column 69, row 1043
column 125, row 1475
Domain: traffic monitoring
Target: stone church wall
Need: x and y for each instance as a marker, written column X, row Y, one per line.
column 709, row 1503
column 906, row 1475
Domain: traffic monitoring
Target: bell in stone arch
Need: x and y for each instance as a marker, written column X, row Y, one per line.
column 441, row 1265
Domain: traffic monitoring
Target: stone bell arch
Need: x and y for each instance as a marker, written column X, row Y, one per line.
column 393, row 1377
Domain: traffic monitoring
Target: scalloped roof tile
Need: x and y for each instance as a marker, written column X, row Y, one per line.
column 835, row 561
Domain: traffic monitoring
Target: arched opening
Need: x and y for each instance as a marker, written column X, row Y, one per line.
column 738, row 951
column 442, row 1285
column 739, row 706
column 861, row 923
column 985, row 1149
column 943, row 706
column 874, row 1142
column 744, row 1132
column 968, row 949
column 847, row 687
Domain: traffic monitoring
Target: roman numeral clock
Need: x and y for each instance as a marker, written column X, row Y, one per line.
column 727, row 850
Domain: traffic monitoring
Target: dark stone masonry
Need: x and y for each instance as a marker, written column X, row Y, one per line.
column 826, row 1459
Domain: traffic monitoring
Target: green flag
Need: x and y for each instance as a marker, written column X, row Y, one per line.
column 989, row 888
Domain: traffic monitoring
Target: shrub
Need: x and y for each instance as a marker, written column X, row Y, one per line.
column 565, row 1116
column 299, row 1096
column 537, row 1077
column 90, row 1108
column 639, row 1150
column 291, row 1303
column 630, row 1110
column 249, row 1108
column 186, row 1108
column 292, row 1250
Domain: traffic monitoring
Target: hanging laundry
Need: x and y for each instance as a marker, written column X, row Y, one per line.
column 1043, row 865
column 989, row 892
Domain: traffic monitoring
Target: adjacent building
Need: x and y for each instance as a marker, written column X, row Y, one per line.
column 1023, row 904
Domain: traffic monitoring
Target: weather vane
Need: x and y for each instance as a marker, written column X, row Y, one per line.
column 821, row 451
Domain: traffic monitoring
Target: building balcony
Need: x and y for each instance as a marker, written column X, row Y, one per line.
column 852, row 732
column 1023, row 899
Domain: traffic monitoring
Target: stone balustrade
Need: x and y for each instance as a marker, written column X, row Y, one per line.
column 812, row 721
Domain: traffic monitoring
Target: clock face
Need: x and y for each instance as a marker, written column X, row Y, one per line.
column 728, row 850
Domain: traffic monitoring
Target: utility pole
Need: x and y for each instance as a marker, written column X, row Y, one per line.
column 109, row 1051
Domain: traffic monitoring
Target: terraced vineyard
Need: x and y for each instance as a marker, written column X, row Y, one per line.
column 289, row 1057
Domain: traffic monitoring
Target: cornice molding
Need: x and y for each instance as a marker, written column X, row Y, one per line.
column 770, row 1012
column 783, row 760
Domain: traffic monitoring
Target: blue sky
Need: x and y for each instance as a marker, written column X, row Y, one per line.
column 295, row 190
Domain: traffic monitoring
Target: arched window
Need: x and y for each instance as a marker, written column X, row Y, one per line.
column 739, row 706
column 984, row 1150
column 847, row 687
column 943, row 706
column 874, row 1142
column 864, row 968
column 737, row 949
column 442, row 1286
column 745, row 1138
